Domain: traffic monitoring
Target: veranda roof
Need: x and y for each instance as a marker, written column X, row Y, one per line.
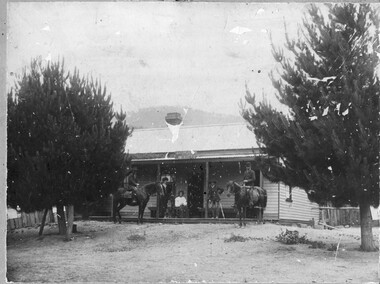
column 192, row 139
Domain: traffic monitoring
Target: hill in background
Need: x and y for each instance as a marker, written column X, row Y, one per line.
column 154, row 117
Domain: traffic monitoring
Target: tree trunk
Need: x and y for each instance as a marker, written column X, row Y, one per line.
column 43, row 222
column 86, row 211
column 70, row 221
column 61, row 219
column 367, row 243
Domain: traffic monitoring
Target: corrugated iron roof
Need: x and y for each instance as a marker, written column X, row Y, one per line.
column 192, row 138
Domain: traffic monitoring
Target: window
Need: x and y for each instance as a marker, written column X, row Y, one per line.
column 289, row 195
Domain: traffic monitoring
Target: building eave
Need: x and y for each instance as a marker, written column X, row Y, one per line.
column 188, row 156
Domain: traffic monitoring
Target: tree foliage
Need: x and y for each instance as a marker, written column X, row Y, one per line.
column 328, row 144
column 65, row 141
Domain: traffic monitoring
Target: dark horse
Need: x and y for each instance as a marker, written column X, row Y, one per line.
column 247, row 197
column 143, row 194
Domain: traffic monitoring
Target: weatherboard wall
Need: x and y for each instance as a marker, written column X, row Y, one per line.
column 298, row 207
column 271, row 211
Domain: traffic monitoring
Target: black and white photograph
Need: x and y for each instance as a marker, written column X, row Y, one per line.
column 192, row 142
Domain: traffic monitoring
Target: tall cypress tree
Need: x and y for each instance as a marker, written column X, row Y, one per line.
column 65, row 142
column 328, row 143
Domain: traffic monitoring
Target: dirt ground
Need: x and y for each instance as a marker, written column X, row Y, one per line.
column 105, row 252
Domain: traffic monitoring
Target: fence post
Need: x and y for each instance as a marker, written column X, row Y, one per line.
column 158, row 193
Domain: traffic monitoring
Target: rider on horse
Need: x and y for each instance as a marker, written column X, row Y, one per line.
column 249, row 181
column 130, row 181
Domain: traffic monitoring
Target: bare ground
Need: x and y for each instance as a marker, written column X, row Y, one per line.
column 104, row 252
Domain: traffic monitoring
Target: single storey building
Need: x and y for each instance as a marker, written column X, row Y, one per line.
column 191, row 156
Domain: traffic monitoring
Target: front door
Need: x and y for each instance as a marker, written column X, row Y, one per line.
column 195, row 193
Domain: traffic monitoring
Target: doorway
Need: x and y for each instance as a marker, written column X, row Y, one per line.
column 195, row 181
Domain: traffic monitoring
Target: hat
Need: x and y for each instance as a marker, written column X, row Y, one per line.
column 248, row 164
column 165, row 179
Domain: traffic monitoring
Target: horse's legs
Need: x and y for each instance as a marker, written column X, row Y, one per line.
column 244, row 213
column 141, row 212
column 116, row 202
column 240, row 213
column 118, row 208
column 114, row 212
column 139, row 216
column 259, row 217
column 118, row 213
column 262, row 215
column 114, row 216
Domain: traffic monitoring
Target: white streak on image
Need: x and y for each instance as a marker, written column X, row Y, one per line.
column 240, row 30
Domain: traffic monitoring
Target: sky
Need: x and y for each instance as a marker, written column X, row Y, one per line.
column 197, row 55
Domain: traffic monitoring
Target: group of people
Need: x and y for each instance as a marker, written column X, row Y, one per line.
column 214, row 192
column 130, row 185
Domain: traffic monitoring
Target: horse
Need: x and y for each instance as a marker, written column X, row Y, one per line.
column 247, row 197
column 142, row 197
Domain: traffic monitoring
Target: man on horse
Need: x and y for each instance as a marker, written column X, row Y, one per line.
column 130, row 182
column 249, row 180
column 214, row 198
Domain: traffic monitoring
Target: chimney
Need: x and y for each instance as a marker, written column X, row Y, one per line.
column 173, row 118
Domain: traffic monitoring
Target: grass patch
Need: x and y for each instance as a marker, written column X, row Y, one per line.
column 332, row 247
column 256, row 239
column 235, row 238
column 113, row 249
column 316, row 244
column 136, row 238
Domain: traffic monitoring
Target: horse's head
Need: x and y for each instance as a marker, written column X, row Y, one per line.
column 151, row 188
column 231, row 187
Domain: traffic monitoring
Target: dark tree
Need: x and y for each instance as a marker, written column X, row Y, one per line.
column 328, row 143
column 65, row 142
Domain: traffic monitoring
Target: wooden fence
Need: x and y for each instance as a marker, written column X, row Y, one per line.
column 29, row 220
column 340, row 216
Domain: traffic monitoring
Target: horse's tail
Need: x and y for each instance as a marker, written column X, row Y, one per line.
column 115, row 201
column 263, row 196
column 113, row 206
column 265, row 199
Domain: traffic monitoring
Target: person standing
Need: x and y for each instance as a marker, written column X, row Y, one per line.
column 163, row 196
column 214, row 198
column 164, row 184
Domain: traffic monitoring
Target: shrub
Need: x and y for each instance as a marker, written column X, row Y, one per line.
column 291, row 237
column 316, row 244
